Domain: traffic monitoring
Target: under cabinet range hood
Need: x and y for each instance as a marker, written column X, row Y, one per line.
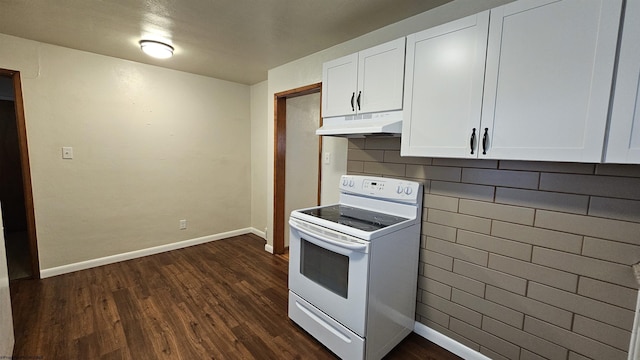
column 362, row 125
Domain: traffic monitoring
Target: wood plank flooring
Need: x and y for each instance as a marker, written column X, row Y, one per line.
column 222, row 300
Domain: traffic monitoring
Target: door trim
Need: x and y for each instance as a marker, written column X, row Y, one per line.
column 279, row 158
column 26, row 170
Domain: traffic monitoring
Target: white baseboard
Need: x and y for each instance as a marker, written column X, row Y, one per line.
column 268, row 248
column 447, row 343
column 64, row 269
column 259, row 233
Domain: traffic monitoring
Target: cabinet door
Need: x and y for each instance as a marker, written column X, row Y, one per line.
column 381, row 77
column 339, row 83
column 443, row 88
column 548, row 79
column 623, row 145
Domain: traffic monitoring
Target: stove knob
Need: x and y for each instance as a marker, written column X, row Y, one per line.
column 399, row 189
column 408, row 190
column 351, row 183
column 345, row 182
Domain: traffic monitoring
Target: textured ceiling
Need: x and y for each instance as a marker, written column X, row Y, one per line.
column 236, row 40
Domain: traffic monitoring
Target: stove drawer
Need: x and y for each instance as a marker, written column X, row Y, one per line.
column 342, row 341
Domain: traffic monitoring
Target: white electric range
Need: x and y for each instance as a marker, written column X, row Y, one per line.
column 353, row 266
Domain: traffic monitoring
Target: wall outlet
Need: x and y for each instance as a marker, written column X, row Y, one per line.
column 183, row 224
column 67, row 152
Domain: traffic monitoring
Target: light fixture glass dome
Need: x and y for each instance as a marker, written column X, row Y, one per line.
column 156, row 49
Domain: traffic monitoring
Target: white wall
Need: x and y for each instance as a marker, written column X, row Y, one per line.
column 152, row 146
column 302, row 146
column 259, row 182
column 6, row 320
column 308, row 70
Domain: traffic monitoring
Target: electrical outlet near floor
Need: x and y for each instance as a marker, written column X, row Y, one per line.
column 183, row 224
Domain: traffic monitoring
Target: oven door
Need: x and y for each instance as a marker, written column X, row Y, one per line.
column 330, row 270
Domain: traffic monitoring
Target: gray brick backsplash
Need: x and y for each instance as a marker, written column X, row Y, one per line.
column 624, row 231
column 457, row 251
column 508, row 178
column 374, row 143
column 488, row 308
column 581, row 265
column 494, row 343
column 535, row 308
column 465, row 191
column 607, row 186
column 607, row 334
column 368, row 155
column 436, row 259
column 507, row 213
column 577, row 204
column 611, row 251
column 455, row 280
column 393, row 156
column 457, row 311
column 522, row 260
column 618, row 170
column 496, row 245
column 461, row 221
column 467, row 163
column 443, row 173
column 615, row 208
column 528, row 355
column 439, row 231
column 542, row 166
column 433, row 314
column 445, row 203
column 573, row 341
column 490, row 277
column 609, row 293
column 610, row 314
column 355, row 166
column 384, row 169
column 545, row 348
column 539, row 237
column 435, row 287
column 524, row 269
column 492, row 354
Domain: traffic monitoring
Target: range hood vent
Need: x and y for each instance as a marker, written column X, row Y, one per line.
column 358, row 126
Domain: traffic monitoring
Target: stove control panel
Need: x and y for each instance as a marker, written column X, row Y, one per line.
column 383, row 188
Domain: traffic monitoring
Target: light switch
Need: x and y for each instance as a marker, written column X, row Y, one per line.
column 327, row 158
column 67, row 152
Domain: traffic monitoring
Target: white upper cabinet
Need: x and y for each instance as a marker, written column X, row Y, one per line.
column 369, row 81
column 547, row 83
column 548, row 79
column 623, row 144
column 443, row 88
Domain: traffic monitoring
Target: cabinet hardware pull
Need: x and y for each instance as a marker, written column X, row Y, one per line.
column 353, row 95
column 473, row 140
column 485, row 141
column 358, row 101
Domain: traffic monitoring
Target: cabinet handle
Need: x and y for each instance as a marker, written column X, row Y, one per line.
column 485, row 141
column 358, row 101
column 353, row 96
column 473, row 140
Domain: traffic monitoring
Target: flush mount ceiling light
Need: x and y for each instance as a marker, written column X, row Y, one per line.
column 156, row 49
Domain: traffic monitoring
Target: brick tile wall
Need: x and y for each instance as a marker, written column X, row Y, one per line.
column 522, row 260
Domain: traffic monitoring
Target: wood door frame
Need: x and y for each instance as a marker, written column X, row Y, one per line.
column 26, row 170
column 279, row 158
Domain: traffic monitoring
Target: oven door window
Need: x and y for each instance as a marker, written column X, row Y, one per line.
column 324, row 267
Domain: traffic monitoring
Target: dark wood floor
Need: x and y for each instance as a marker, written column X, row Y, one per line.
column 222, row 300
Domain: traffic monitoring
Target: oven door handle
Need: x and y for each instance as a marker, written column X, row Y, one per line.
column 328, row 236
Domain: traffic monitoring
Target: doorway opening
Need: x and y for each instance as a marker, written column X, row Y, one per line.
column 280, row 159
column 16, row 197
